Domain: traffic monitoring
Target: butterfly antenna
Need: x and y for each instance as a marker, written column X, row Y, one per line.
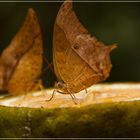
column 50, row 65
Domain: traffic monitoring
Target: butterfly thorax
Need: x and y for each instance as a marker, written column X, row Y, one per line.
column 63, row 88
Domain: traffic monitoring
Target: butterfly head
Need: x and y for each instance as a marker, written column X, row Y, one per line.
column 61, row 86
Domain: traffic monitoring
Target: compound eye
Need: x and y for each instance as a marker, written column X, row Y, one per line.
column 58, row 84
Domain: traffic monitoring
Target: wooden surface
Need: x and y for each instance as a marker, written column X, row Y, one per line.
column 100, row 93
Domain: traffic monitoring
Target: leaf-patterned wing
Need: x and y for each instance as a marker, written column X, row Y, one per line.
column 20, row 44
column 79, row 59
column 28, row 70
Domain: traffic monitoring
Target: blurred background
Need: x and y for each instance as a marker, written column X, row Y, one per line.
column 108, row 22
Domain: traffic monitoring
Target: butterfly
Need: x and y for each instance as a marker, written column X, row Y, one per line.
column 80, row 60
column 21, row 62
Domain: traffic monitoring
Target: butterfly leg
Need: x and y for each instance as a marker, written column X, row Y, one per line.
column 72, row 95
column 54, row 91
column 73, row 98
column 85, row 88
column 86, row 91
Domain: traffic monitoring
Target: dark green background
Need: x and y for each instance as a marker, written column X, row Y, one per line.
column 109, row 22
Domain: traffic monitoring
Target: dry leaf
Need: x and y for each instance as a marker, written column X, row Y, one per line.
column 79, row 59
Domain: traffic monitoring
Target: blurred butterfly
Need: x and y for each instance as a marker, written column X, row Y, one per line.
column 21, row 61
column 79, row 59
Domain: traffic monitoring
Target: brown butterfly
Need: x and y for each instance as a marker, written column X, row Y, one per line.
column 79, row 59
column 21, row 61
